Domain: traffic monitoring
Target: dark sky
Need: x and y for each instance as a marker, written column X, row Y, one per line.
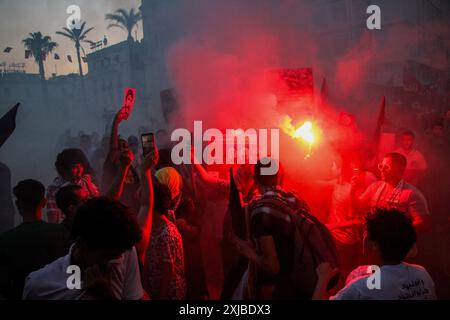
column 20, row 17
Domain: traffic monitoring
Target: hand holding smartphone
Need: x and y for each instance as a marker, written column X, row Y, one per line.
column 150, row 151
column 148, row 143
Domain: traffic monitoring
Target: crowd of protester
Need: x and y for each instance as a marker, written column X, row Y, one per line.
column 140, row 227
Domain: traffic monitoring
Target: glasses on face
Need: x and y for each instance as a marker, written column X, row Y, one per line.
column 383, row 167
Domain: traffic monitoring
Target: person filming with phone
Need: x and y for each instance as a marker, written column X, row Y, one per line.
column 118, row 161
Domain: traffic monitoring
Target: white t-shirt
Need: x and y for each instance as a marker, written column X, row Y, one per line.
column 397, row 282
column 415, row 165
column 341, row 208
column 50, row 282
column 415, row 159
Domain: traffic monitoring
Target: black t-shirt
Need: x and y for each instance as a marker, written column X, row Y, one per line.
column 270, row 217
column 27, row 248
column 280, row 230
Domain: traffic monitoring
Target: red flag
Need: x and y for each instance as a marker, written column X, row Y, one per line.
column 8, row 124
column 380, row 122
column 236, row 208
column 324, row 92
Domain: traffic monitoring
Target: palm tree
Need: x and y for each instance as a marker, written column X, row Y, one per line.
column 126, row 20
column 77, row 36
column 40, row 47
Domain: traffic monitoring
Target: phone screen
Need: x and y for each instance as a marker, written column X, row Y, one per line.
column 148, row 143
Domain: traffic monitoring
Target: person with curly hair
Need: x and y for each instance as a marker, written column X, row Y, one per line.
column 73, row 168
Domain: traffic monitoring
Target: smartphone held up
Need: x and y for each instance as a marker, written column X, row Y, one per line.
column 148, row 143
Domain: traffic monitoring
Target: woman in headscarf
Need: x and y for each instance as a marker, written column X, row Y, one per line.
column 185, row 215
column 164, row 274
column 188, row 223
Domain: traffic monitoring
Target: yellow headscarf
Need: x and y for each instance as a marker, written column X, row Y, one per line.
column 171, row 179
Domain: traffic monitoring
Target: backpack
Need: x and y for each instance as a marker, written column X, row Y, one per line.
column 312, row 243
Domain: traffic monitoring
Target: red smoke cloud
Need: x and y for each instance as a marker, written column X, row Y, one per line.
column 219, row 69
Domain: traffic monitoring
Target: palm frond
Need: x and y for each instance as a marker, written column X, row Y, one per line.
column 40, row 46
column 69, row 31
column 112, row 25
column 116, row 18
column 126, row 20
column 82, row 27
column 123, row 12
column 51, row 46
column 76, row 34
column 68, row 35
column 84, row 34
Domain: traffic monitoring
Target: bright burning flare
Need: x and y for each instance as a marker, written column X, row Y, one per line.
column 305, row 132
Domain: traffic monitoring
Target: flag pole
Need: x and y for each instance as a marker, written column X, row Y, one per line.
column 379, row 127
